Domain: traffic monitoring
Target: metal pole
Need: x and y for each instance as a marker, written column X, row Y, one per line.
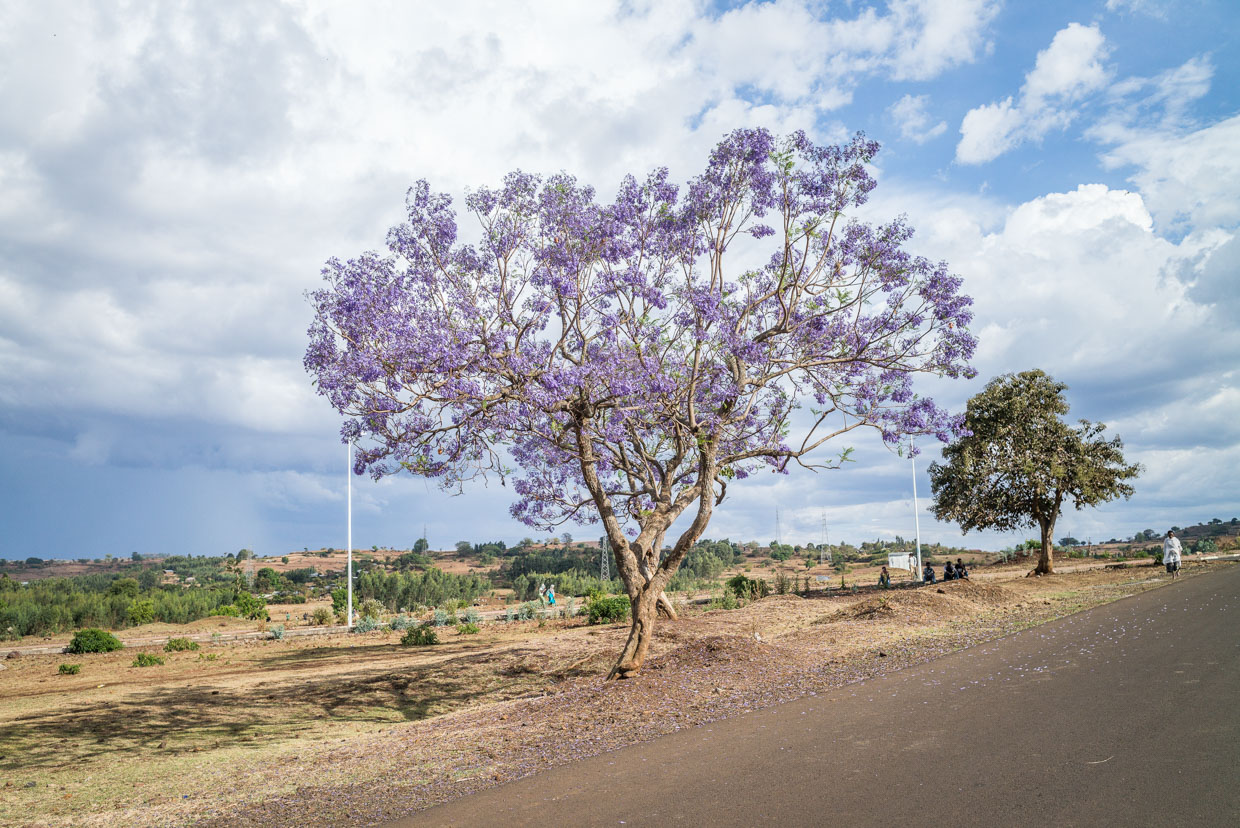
column 916, row 518
column 349, row 539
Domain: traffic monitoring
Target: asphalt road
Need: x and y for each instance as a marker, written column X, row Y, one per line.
column 1125, row 715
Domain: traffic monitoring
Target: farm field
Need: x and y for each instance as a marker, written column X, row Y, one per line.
column 348, row 728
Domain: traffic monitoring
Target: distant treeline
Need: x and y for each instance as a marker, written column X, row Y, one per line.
column 407, row 590
column 572, row 583
column 55, row 605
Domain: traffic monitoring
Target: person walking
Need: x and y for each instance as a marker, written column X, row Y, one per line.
column 1171, row 554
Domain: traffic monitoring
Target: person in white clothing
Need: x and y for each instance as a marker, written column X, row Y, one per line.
column 1171, row 554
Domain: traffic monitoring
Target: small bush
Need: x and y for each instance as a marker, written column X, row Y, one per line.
column 322, row 616
column 510, row 613
column 472, row 616
column 371, row 608
column 420, row 636
column 94, row 641
column 468, row 628
column 726, row 601
column 400, row 622
column 527, row 610
column 365, row 624
column 176, row 645
column 442, row 618
column 208, row 656
column 147, row 660
column 748, row 588
column 277, row 632
column 608, row 610
column 70, row 669
column 228, row 610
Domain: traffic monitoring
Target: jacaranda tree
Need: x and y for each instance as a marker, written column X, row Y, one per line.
column 611, row 362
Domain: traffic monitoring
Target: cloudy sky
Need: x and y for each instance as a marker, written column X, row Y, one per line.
column 173, row 176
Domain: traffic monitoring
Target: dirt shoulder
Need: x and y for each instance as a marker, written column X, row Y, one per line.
column 354, row 729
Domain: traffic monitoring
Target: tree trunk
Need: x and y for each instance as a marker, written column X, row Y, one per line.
column 1046, row 561
column 640, row 634
column 664, row 606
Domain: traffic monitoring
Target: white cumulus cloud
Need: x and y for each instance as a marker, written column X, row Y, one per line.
column 913, row 119
column 1065, row 72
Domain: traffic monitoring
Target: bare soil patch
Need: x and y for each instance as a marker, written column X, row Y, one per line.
column 354, row 729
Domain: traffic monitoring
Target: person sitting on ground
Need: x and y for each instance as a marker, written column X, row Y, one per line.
column 927, row 576
column 949, row 572
column 1171, row 554
column 961, row 572
column 884, row 578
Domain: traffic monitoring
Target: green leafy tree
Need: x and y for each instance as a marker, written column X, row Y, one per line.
column 1022, row 462
column 128, row 587
column 250, row 606
column 266, row 579
column 141, row 612
column 421, row 545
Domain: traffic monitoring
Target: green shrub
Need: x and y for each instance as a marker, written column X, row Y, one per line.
column 93, row 641
column 748, row 588
column 147, row 660
column 70, row 669
column 277, row 632
column 726, row 601
column 400, row 622
column 610, row 610
column 365, row 624
column 322, row 616
column 208, row 656
column 228, row 610
column 371, row 608
column 468, row 628
column 420, row 636
column 473, row 616
column 176, row 645
column 441, row 618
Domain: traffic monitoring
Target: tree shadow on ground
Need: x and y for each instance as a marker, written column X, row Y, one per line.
column 186, row 719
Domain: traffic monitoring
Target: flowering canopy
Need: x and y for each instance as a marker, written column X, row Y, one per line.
column 614, row 357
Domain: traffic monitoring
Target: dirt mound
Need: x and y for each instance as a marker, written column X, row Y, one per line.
column 990, row 595
column 710, row 650
column 951, row 600
column 777, row 600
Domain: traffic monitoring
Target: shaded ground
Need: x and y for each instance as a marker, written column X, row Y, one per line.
column 353, row 728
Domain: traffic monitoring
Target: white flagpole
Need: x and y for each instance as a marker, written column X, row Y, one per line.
column 916, row 518
column 349, row 540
